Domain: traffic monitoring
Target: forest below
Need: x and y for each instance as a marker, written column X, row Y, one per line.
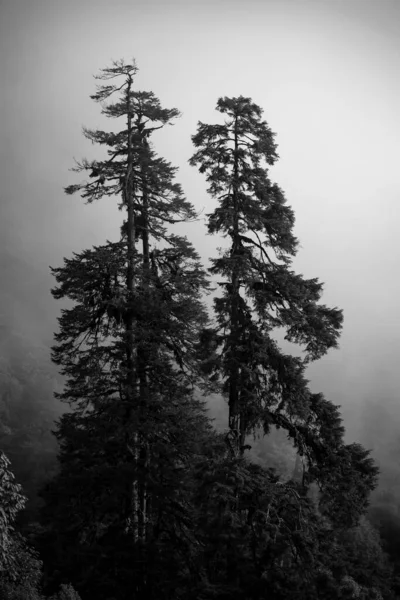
column 162, row 449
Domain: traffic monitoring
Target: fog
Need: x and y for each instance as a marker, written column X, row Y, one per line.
column 326, row 75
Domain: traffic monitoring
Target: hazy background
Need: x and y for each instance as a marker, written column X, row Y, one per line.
column 326, row 72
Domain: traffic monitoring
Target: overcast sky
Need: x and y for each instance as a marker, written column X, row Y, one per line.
column 326, row 73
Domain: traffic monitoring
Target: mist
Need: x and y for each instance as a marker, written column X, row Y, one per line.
column 326, row 75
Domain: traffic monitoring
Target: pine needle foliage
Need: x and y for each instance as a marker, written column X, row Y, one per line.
column 127, row 348
column 261, row 293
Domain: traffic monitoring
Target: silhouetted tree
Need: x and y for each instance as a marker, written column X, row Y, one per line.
column 260, row 291
column 265, row 386
column 127, row 349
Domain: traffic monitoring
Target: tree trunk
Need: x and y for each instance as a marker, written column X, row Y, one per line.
column 142, row 352
column 234, row 414
column 142, row 358
column 132, row 507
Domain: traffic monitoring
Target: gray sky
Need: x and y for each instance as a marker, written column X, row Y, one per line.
column 326, row 72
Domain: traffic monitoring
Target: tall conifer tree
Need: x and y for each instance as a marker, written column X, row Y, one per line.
column 127, row 349
column 261, row 292
column 263, row 537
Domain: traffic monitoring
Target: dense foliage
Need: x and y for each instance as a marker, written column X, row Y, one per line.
column 261, row 293
column 127, row 349
column 20, row 567
column 149, row 500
